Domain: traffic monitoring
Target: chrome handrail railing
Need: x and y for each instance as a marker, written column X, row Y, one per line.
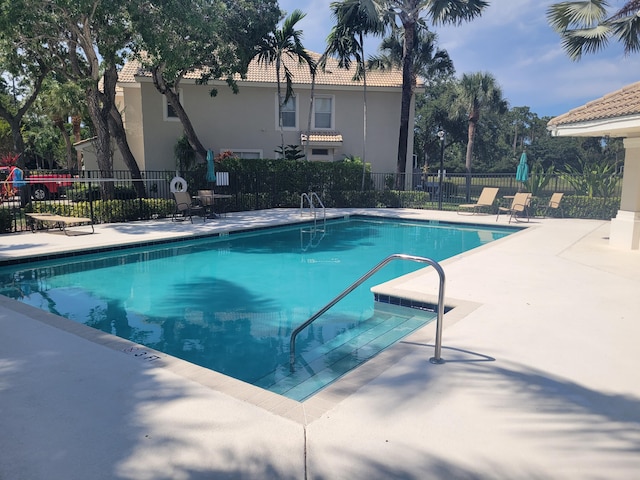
column 312, row 208
column 437, row 359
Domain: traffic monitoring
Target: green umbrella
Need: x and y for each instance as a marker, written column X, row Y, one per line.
column 211, row 171
column 522, row 174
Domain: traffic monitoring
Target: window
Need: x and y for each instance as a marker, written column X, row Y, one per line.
column 319, row 151
column 243, row 153
column 168, row 111
column 289, row 114
column 323, row 112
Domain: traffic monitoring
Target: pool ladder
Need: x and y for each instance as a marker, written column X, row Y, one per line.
column 314, row 202
column 436, row 359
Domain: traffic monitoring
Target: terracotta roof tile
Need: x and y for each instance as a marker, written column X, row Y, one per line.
column 258, row 73
column 621, row 103
column 322, row 137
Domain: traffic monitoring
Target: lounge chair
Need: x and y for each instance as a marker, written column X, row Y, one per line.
column 62, row 222
column 519, row 206
column 186, row 207
column 554, row 204
column 486, row 199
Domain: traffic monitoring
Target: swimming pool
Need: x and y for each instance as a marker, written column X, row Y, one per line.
column 230, row 302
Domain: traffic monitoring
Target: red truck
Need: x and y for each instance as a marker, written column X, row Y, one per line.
column 43, row 185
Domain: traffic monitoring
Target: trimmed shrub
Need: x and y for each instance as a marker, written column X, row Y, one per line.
column 6, row 220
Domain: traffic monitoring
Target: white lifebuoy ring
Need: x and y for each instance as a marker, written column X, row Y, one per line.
column 178, row 184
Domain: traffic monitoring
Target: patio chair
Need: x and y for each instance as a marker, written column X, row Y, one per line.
column 519, row 207
column 187, row 207
column 206, row 200
column 486, row 199
column 554, row 204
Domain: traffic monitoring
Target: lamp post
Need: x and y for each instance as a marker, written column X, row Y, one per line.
column 441, row 136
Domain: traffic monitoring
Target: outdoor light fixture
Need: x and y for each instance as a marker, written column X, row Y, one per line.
column 441, row 135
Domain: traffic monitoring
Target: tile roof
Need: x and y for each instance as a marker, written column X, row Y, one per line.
column 322, row 137
column 258, row 73
column 621, row 103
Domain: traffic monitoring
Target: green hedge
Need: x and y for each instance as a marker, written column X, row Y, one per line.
column 81, row 193
column 6, row 220
column 110, row 211
column 578, row 206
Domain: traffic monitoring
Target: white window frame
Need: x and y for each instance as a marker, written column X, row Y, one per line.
column 333, row 112
column 165, row 108
column 295, row 104
column 240, row 151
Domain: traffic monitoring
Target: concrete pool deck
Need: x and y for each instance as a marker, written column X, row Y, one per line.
column 541, row 378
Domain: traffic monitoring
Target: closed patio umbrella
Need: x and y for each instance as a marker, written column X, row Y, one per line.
column 211, row 172
column 522, row 174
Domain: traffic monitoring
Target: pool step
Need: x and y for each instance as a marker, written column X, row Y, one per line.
column 327, row 362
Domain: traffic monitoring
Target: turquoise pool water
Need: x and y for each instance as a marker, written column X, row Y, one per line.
column 229, row 303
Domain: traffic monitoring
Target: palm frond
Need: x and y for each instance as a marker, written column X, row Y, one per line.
column 587, row 40
column 631, row 8
column 566, row 16
column 454, row 12
column 627, row 30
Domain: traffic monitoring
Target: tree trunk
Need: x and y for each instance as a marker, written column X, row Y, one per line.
column 473, row 122
column 76, row 122
column 173, row 99
column 120, row 136
column 364, row 114
column 407, row 77
column 311, row 99
column 116, row 128
column 59, row 124
column 18, row 141
column 100, row 118
column 280, row 105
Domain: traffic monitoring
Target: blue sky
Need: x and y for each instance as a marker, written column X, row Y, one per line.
column 513, row 41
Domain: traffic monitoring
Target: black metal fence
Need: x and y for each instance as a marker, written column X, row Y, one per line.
column 121, row 199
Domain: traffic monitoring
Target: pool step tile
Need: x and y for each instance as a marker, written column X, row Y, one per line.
column 327, row 362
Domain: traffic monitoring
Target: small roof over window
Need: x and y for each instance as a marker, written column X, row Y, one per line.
column 322, row 139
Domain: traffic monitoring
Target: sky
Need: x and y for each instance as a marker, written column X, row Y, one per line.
column 513, row 41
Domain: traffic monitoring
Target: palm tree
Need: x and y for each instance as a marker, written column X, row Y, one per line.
column 477, row 92
column 346, row 41
column 585, row 26
column 409, row 13
column 277, row 46
column 429, row 63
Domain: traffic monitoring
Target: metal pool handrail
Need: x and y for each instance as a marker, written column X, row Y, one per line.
column 436, row 359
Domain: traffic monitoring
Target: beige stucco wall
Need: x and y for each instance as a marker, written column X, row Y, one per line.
column 130, row 105
column 625, row 228
column 248, row 121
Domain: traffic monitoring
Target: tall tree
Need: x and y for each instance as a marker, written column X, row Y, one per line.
column 82, row 41
column 521, row 120
column 216, row 38
column 23, row 65
column 433, row 112
column 429, row 62
column 61, row 101
column 275, row 48
column 410, row 14
column 586, row 26
column 478, row 92
column 346, row 41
